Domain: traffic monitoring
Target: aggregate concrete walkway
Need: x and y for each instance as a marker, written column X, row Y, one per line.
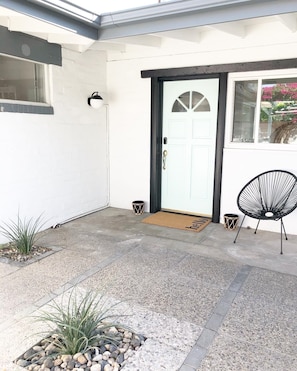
column 203, row 302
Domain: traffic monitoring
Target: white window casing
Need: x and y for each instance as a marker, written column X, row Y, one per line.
column 259, row 77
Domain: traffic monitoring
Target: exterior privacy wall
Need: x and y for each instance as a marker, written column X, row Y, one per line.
column 57, row 165
column 129, row 96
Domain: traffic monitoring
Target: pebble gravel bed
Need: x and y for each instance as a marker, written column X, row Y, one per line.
column 10, row 253
column 101, row 357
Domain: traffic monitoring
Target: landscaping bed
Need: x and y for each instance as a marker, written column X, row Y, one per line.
column 110, row 356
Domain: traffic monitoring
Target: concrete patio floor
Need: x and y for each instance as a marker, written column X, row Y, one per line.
column 203, row 302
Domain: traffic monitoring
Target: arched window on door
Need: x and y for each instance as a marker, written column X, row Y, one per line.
column 191, row 101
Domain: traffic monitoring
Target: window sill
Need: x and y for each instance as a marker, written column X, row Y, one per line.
column 26, row 108
column 262, row 146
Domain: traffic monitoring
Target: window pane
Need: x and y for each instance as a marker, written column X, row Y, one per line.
column 244, row 111
column 278, row 119
column 21, row 80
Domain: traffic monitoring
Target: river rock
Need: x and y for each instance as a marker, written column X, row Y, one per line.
column 95, row 367
column 66, row 358
column 58, row 362
column 22, row 363
column 82, row 359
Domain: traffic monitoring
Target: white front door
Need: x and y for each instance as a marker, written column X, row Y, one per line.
column 188, row 151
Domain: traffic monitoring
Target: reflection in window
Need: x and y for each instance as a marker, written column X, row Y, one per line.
column 278, row 118
column 191, row 100
column 21, row 80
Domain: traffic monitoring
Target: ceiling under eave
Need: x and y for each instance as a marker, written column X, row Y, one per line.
column 17, row 22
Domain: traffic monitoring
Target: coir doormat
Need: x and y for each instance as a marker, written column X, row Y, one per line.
column 178, row 221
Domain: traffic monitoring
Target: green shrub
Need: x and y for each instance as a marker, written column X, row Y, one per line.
column 79, row 324
column 22, row 233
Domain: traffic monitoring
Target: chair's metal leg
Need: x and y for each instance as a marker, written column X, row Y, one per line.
column 281, row 237
column 239, row 229
column 257, row 226
column 284, row 229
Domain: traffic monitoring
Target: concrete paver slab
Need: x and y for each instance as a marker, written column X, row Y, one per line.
column 233, row 354
column 6, row 269
column 203, row 302
column 264, row 312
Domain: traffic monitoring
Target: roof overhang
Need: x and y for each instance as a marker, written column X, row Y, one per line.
column 186, row 14
column 147, row 26
column 159, row 17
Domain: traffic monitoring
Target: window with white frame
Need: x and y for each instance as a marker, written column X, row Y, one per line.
column 264, row 109
column 22, row 81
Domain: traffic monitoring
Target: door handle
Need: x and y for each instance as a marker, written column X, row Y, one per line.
column 164, row 158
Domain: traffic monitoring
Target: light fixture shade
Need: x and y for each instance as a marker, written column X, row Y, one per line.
column 95, row 100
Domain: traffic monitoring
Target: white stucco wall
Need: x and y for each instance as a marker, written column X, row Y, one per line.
column 57, row 165
column 129, row 107
column 129, row 96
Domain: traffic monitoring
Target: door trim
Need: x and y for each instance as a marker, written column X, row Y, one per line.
column 156, row 140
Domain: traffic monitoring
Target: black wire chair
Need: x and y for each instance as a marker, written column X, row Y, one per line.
column 269, row 196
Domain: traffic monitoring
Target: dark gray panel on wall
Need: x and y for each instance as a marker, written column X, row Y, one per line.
column 25, row 46
column 26, row 108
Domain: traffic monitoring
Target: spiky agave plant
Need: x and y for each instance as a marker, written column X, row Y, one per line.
column 22, row 233
column 81, row 323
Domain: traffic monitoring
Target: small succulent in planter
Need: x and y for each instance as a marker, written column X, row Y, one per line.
column 80, row 323
column 22, row 233
column 82, row 333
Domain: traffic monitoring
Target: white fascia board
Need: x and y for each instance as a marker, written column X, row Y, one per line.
column 185, row 14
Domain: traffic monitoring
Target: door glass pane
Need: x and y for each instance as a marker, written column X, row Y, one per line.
column 196, row 98
column 178, row 107
column 185, row 99
column 199, row 102
column 244, row 111
column 182, row 103
column 203, row 106
column 191, row 100
column 278, row 118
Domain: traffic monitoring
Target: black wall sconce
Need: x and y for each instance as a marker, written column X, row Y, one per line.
column 95, row 100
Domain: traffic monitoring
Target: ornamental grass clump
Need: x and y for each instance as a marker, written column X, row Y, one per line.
column 22, row 234
column 80, row 324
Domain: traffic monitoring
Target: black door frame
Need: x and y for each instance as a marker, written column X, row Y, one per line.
column 156, row 139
